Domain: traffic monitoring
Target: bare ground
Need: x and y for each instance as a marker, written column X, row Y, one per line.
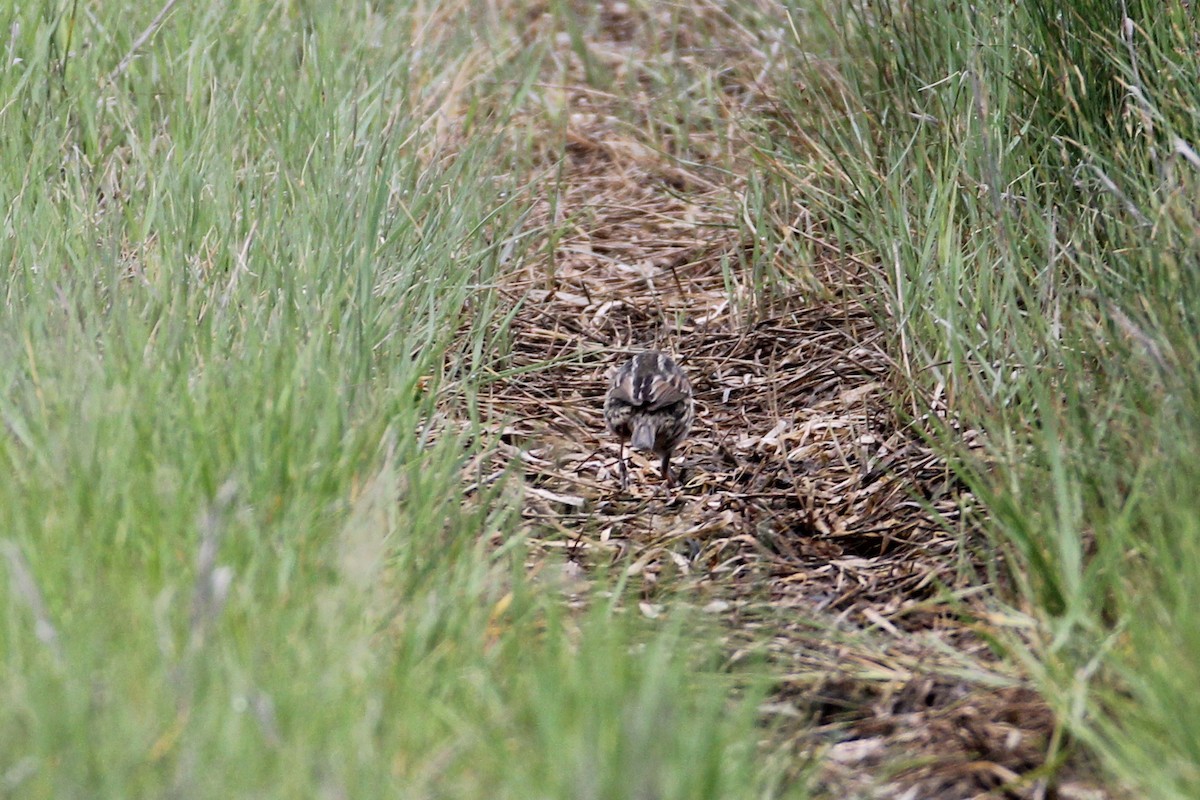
column 811, row 518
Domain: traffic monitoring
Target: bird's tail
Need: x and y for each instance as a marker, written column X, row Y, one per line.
column 643, row 435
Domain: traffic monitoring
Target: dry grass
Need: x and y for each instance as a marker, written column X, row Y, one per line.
column 810, row 517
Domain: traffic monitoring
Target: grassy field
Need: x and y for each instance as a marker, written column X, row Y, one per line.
column 1024, row 179
column 245, row 273
column 253, row 291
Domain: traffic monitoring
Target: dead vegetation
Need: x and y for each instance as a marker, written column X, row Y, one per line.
column 810, row 517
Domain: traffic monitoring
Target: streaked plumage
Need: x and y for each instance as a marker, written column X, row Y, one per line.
column 649, row 405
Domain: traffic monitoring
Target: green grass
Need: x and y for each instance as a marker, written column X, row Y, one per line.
column 240, row 561
column 1025, row 179
column 245, row 273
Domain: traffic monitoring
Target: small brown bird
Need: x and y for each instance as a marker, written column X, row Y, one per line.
column 649, row 405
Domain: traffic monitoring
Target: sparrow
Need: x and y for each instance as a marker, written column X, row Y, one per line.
column 649, row 405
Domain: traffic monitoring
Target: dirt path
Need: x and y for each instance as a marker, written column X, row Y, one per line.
column 810, row 518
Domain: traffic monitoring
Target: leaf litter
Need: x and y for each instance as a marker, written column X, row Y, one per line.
column 811, row 518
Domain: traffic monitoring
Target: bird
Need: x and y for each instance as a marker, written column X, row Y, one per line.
column 649, row 405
